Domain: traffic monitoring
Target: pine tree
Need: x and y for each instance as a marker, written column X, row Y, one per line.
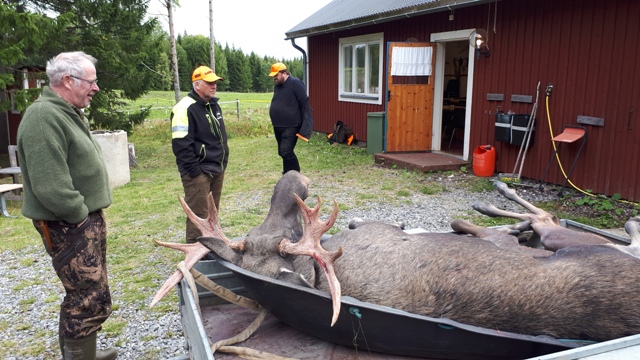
column 239, row 71
column 116, row 33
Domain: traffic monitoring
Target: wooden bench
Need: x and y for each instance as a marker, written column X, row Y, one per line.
column 14, row 169
column 4, row 188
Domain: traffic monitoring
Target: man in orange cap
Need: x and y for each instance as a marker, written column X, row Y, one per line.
column 199, row 142
column 290, row 115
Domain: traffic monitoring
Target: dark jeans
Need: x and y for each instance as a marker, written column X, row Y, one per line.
column 287, row 140
column 196, row 192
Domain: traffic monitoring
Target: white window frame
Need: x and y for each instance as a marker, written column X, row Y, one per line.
column 364, row 97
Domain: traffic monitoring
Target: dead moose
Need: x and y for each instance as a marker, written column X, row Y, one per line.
column 569, row 291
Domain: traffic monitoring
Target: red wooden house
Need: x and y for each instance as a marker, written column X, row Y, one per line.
column 414, row 61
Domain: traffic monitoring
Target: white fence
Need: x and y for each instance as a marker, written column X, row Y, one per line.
column 167, row 109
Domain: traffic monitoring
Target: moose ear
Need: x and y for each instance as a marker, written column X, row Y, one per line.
column 221, row 249
column 291, row 277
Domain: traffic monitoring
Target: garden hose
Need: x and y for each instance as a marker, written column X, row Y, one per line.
column 555, row 149
column 548, row 93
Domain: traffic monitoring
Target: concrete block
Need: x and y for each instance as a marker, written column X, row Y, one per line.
column 115, row 151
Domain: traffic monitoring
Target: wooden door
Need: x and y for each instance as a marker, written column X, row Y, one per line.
column 410, row 84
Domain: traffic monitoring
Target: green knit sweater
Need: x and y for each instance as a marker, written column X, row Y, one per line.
column 63, row 172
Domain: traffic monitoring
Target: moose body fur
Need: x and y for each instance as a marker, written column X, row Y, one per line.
column 583, row 292
column 487, row 280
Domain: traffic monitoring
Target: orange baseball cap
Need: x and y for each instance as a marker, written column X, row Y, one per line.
column 276, row 68
column 204, row 73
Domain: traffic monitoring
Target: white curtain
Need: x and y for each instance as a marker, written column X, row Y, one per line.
column 411, row 61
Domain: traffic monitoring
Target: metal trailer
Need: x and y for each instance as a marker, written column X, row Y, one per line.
column 306, row 312
column 196, row 338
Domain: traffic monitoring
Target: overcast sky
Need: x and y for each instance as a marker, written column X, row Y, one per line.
column 250, row 25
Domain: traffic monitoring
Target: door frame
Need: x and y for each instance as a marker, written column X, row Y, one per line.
column 440, row 39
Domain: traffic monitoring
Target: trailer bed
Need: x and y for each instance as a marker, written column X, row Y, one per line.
column 275, row 337
column 299, row 327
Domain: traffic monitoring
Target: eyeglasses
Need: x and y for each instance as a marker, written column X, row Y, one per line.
column 90, row 82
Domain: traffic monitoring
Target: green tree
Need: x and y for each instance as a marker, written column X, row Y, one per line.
column 21, row 34
column 228, row 80
column 221, row 67
column 197, row 50
column 193, row 51
column 185, row 68
column 116, row 32
column 261, row 82
column 239, row 71
column 295, row 67
column 164, row 78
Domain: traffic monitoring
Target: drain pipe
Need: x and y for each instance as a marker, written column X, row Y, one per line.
column 304, row 61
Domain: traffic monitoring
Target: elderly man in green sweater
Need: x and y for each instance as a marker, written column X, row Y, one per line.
column 66, row 186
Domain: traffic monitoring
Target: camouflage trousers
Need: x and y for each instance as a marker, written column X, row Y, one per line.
column 79, row 259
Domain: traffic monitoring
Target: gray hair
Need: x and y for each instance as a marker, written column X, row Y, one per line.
column 68, row 63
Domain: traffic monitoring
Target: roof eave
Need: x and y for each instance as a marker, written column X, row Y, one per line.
column 385, row 17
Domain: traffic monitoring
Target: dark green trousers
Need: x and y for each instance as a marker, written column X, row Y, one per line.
column 196, row 192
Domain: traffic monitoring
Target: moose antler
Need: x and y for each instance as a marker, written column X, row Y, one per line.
column 209, row 227
column 632, row 227
column 309, row 245
column 538, row 215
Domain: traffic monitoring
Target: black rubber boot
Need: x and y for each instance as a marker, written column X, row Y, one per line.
column 107, row 354
column 85, row 349
column 60, row 335
column 61, row 339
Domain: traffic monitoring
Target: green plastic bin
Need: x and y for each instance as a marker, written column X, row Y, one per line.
column 375, row 132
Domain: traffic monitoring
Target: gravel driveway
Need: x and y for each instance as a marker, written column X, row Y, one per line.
column 28, row 315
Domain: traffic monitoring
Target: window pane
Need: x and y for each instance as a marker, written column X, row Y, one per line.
column 374, row 68
column 360, row 74
column 348, row 67
column 360, row 66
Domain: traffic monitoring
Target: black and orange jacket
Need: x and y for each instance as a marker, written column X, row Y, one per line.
column 290, row 107
column 198, row 136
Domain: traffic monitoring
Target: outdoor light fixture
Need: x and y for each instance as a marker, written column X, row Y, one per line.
column 479, row 39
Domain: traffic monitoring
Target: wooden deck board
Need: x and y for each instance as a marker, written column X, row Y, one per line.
column 422, row 161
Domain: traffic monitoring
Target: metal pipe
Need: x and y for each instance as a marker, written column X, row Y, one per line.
column 304, row 61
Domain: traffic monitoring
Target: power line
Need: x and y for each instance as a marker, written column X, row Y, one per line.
column 154, row 71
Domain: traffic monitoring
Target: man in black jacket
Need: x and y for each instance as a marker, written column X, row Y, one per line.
column 199, row 142
column 290, row 115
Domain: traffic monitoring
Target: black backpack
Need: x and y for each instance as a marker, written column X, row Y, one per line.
column 342, row 134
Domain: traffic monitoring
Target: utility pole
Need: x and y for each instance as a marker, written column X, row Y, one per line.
column 212, row 41
column 174, row 52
